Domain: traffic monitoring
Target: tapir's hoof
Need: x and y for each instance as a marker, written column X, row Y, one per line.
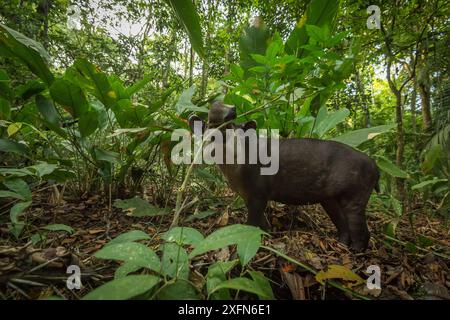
column 359, row 246
column 345, row 239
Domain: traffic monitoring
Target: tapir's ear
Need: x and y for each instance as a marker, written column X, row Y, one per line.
column 249, row 125
column 194, row 118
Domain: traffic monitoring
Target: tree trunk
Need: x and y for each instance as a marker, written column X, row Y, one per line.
column 424, row 91
column 413, row 112
column 363, row 100
column 191, row 67
column 400, row 140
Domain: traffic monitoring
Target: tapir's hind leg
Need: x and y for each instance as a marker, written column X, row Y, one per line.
column 354, row 207
column 256, row 215
column 336, row 214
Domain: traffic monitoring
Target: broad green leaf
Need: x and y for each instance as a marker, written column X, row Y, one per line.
column 13, row 172
column 244, row 284
column 263, row 284
column 47, row 109
column 7, row 145
column 70, row 96
column 99, row 83
column 17, row 210
column 19, row 186
column 58, row 227
column 390, row 168
column 29, row 89
column 138, row 207
column 247, row 248
column 180, row 290
column 125, row 269
column 28, row 51
column 319, row 34
column 107, row 156
column 42, row 168
column 123, row 288
column 185, row 102
column 319, row 13
column 431, row 156
column 5, row 109
column 254, row 40
column 217, row 273
column 356, row 137
column 132, row 252
column 129, row 236
column 427, row 183
column 88, row 123
column 138, row 86
column 183, row 235
column 175, row 263
column 188, row 17
column 330, row 121
column 10, row 194
column 224, row 237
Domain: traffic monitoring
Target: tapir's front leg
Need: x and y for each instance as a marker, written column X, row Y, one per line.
column 256, row 215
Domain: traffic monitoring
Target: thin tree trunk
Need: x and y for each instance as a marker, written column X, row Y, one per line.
column 424, row 91
column 413, row 112
column 191, row 66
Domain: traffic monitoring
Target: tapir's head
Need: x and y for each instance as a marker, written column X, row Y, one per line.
column 221, row 115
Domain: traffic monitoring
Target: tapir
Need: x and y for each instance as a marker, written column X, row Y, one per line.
column 311, row 171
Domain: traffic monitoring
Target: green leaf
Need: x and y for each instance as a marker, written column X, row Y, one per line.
column 244, row 284
column 263, row 283
column 185, row 102
column 17, row 210
column 28, row 51
column 19, row 186
column 88, row 123
column 390, row 168
column 175, row 263
column 138, row 207
column 10, row 194
column 356, row 137
column 183, row 235
column 319, row 13
column 317, row 33
column 70, row 96
column 217, row 273
column 42, row 168
column 138, row 86
column 125, row 269
column 58, row 227
column 247, row 248
column 47, row 109
column 431, row 156
column 132, row 252
column 7, row 145
column 123, row 288
column 254, row 40
column 330, row 121
column 99, row 84
column 107, row 156
column 130, row 236
column 180, row 290
column 224, row 237
column 427, row 183
column 188, row 17
column 5, row 109
column 30, row 88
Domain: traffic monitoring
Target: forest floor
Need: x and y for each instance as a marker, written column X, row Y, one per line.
column 305, row 234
